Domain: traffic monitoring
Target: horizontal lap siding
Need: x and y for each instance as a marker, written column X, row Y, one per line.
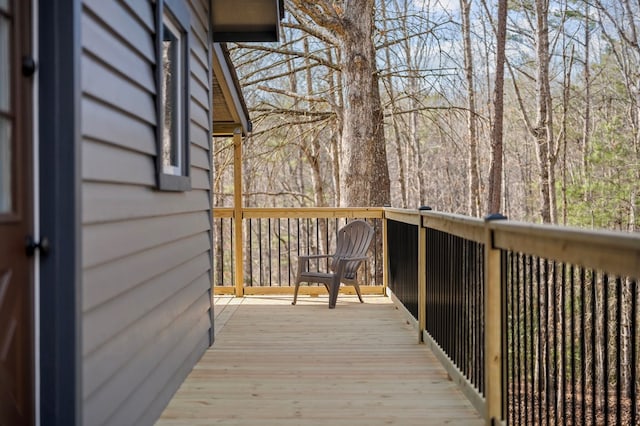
column 146, row 254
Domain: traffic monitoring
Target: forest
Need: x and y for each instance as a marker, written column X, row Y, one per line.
column 530, row 108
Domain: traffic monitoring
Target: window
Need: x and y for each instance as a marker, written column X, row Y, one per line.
column 172, row 161
column 6, row 112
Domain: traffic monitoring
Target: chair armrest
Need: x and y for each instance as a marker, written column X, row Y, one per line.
column 313, row 256
column 350, row 259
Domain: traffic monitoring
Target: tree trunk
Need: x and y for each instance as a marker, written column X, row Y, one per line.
column 394, row 119
column 473, row 177
column 565, row 111
column 312, row 150
column 335, row 136
column 587, row 94
column 495, row 168
column 364, row 169
column 366, row 177
column 541, row 130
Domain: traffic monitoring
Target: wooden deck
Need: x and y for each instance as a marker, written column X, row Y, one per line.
column 277, row 364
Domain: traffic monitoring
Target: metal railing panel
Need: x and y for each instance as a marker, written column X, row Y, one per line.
column 455, row 301
column 571, row 344
column 402, row 246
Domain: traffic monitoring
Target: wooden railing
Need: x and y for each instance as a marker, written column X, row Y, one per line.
column 538, row 324
column 269, row 240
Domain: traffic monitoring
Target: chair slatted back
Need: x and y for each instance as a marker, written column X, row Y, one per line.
column 354, row 240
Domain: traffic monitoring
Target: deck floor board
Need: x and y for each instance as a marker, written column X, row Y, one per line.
column 277, row 364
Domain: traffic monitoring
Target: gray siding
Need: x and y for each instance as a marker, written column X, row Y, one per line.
column 146, row 254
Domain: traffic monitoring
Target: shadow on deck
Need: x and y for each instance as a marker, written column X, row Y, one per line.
column 277, row 364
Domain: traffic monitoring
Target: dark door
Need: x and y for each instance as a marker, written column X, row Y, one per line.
column 16, row 215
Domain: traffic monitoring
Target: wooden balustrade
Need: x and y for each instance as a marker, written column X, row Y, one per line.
column 268, row 240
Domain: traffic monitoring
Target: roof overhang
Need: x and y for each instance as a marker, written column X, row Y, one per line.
column 246, row 20
column 230, row 112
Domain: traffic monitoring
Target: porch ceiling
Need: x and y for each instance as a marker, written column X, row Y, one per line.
column 229, row 108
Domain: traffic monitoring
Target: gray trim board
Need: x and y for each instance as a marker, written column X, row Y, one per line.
column 60, row 204
column 228, row 74
column 168, row 182
column 212, row 334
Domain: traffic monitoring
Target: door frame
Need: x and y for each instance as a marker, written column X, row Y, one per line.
column 59, row 200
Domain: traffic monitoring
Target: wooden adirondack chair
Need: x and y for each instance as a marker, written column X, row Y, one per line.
column 353, row 243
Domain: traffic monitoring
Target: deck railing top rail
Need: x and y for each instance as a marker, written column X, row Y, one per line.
column 302, row 212
column 614, row 252
column 467, row 227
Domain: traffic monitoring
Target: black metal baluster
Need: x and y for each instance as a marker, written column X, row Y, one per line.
column 260, row 251
column 468, row 321
column 583, row 353
column 633, row 333
column 552, row 371
column 563, row 348
column 437, row 313
column 250, row 259
column 573, row 343
column 449, row 294
column 518, row 321
column 525, row 334
column 549, row 383
column 605, row 330
column 503, row 332
column 308, row 237
column 231, row 254
column 511, row 353
column 619, row 351
column 479, row 312
column 439, row 302
column 538, row 397
column 531, row 332
column 279, row 238
column 269, row 248
column 289, row 251
column 453, row 302
column 594, row 379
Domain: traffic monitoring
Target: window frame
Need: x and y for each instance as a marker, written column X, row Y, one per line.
column 174, row 15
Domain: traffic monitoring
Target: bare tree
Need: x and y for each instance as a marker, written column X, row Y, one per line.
column 394, row 109
column 472, row 127
column 495, row 168
column 350, row 24
column 543, row 129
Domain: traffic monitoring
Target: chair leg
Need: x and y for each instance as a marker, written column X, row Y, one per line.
column 295, row 293
column 333, row 293
column 357, row 287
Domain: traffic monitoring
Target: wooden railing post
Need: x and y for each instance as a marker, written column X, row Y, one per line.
column 385, row 253
column 422, row 276
column 493, row 326
column 237, row 213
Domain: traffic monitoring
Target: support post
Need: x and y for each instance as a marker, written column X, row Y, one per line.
column 238, row 205
column 385, row 254
column 422, row 281
column 422, row 275
column 493, row 326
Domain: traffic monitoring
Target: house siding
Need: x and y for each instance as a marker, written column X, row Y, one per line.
column 146, row 264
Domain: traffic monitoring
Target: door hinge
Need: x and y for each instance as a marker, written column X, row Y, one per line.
column 28, row 66
column 31, row 245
